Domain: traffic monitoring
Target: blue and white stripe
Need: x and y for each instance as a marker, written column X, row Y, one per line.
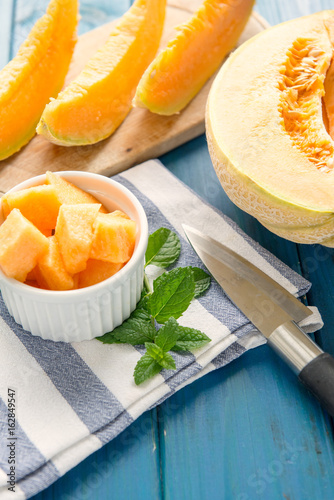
column 73, row 398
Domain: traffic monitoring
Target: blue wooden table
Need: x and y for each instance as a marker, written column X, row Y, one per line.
column 247, row 431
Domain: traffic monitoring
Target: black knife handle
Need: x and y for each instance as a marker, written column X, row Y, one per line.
column 318, row 378
column 314, row 367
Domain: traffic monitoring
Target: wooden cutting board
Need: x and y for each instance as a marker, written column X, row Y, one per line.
column 141, row 136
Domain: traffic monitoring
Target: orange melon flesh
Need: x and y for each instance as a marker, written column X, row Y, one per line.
column 36, row 74
column 180, row 70
column 114, row 238
column 39, row 204
column 95, row 104
column 97, row 271
column 21, row 245
column 50, row 271
column 32, row 283
column 69, row 193
column 74, row 233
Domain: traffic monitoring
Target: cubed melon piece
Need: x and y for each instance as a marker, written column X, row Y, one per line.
column 21, row 245
column 32, row 283
column 74, row 233
column 114, row 238
column 47, row 232
column 69, row 193
column 97, row 271
column 50, row 271
column 39, row 204
column 31, row 276
column 119, row 213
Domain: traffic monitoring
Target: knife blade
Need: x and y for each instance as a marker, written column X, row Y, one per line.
column 273, row 310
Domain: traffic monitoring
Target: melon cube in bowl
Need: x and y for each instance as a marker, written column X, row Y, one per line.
column 68, row 193
column 74, row 233
column 39, row 204
column 95, row 272
column 114, row 238
column 50, row 272
column 21, row 245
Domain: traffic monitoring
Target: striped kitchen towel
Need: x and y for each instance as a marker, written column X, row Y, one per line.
column 73, row 398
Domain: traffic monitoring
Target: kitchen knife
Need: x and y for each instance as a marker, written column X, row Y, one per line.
column 274, row 312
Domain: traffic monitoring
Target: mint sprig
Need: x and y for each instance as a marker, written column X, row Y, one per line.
column 153, row 322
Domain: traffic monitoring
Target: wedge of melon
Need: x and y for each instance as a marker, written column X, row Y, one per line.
column 39, row 204
column 50, row 272
column 96, row 271
column 74, row 233
column 114, row 238
column 36, row 74
column 265, row 129
column 96, row 102
column 21, row 245
column 201, row 44
column 69, row 193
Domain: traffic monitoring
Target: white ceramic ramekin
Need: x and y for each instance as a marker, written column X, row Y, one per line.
column 83, row 314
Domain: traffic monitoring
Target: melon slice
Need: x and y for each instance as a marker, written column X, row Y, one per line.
column 265, row 129
column 96, row 102
column 69, row 193
column 201, row 44
column 114, row 238
column 21, row 245
column 36, row 74
column 97, row 271
column 39, row 204
column 74, row 233
column 50, row 271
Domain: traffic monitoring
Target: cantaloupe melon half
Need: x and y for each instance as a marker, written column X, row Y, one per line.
column 199, row 47
column 265, row 129
column 97, row 101
column 35, row 74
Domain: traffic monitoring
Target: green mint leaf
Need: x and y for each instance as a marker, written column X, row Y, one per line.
column 172, row 294
column 135, row 331
column 189, row 338
column 167, row 335
column 168, row 362
column 146, row 368
column 141, row 311
column 154, row 351
column 163, row 358
column 202, row 281
column 163, row 248
column 108, row 338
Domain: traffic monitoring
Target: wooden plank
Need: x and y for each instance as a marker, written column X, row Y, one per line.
column 276, row 11
column 232, row 438
column 239, row 425
column 6, row 16
column 142, row 135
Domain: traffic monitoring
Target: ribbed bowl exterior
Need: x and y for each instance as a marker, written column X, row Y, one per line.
column 76, row 315
column 80, row 318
